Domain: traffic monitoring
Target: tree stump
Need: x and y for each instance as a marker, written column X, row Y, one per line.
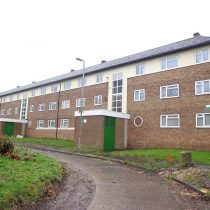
column 186, row 159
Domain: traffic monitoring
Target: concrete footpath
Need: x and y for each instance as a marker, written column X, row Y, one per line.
column 119, row 187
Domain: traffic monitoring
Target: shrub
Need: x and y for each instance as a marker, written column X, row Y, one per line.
column 6, row 145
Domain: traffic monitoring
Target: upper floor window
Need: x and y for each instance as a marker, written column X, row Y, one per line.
column 9, row 111
column 33, row 93
column 169, row 91
column 54, row 88
column 80, row 102
column 43, row 90
column 3, row 112
column 31, row 108
column 16, row 110
column 201, row 56
column 99, row 78
column 67, row 85
column 139, row 95
column 40, row 124
column 81, row 83
column 98, row 100
column 51, row 123
column 11, row 98
column 170, row 121
column 64, row 123
column 52, row 105
column 203, row 120
column 41, row 107
column 18, row 96
column 65, row 104
column 169, row 63
column 202, row 87
column 140, row 69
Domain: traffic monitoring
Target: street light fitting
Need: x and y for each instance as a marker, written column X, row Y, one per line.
column 79, row 59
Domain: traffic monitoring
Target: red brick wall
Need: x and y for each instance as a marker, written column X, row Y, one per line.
column 12, row 105
column 72, row 95
column 187, row 105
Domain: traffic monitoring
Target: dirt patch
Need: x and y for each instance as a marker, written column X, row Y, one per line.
column 76, row 192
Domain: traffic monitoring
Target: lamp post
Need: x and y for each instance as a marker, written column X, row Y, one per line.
column 82, row 102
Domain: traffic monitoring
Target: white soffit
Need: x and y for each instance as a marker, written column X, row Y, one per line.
column 13, row 120
column 103, row 112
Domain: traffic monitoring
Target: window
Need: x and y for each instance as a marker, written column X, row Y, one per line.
column 140, row 69
column 11, row 98
column 99, row 78
column 40, row 124
column 33, row 93
column 41, row 107
column 139, row 95
column 201, row 56
column 169, row 63
column 16, row 110
column 65, row 104
column 9, row 111
column 51, row 123
column 3, row 112
column 24, row 103
column 31, row 108
column 64, row 123
column 67, row 85
column 43, row 90
column 80, row 82
column 98, row 100
column 117, row 85
column 203, row 120
column 80, row 102
column 170, row 121
column 18, row 96
column 52, row 105
column 54, row 88
column 202, row 87
column 169, row 91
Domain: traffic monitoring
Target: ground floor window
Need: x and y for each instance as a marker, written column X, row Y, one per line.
column 64, row 123
column 170, row 121
column 40, row 124
column 51, row 123
column 203, row 120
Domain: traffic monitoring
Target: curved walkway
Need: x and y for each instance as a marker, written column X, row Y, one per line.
column 119, row 187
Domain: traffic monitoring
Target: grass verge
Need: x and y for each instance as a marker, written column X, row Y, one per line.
column 24, row 181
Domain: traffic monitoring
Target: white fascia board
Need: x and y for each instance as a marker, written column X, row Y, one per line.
column 13, row 120
column 102, row 112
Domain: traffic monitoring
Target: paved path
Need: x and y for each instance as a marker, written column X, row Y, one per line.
column 119, row 187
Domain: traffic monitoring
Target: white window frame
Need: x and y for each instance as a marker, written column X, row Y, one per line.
column 167, row 88
column 201, row 115
column 50, row 122
column 3, row 112
column 62, row 123
column 43, row 91
column 176, row 116
column 166, row 60
column 80, row 82
column 79, row 102
column 98, row 100
column 99, row 78
column 33, row 93
column 11, row 98
column 31, row 108
column 16, row 110
column 9, row 111
column 51, row 105
column 54, row 88
column 64, row 103
column 201, row 52
column 140, row 69
column 67, row 85
column 40, row 107
column 140, row 91
column 40, row 124
column 201, row 83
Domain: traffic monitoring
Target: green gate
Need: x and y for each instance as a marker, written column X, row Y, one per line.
column 109, row 133
column 8, row 128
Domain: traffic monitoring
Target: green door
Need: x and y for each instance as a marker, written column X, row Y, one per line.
column 109, row 133
column 8, row 128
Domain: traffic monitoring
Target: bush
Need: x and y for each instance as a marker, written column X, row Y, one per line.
column 6, row 145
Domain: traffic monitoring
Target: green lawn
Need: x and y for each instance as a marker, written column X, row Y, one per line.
column 150, row 159
column 22, row 182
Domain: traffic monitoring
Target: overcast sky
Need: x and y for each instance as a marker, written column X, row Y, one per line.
column 41, row 38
